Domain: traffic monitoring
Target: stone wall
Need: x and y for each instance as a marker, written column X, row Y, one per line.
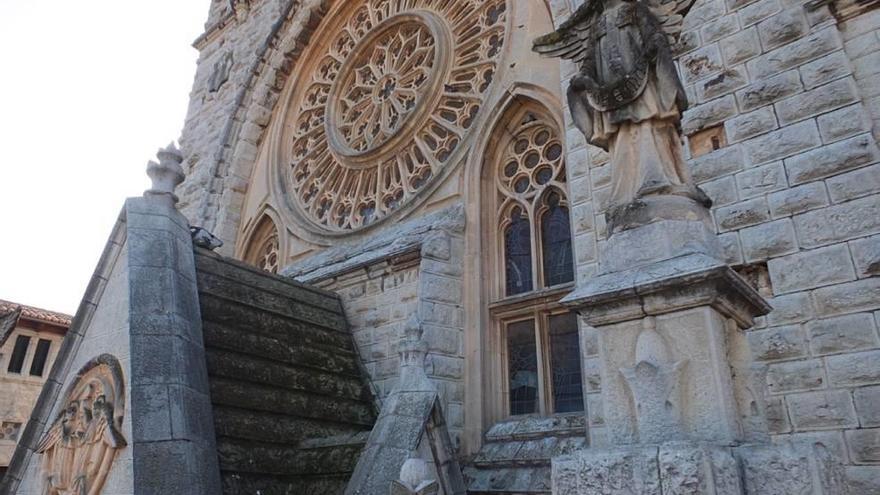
column 796, row 188
column 421, row 275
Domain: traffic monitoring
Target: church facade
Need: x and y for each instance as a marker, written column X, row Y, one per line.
column 420, row 159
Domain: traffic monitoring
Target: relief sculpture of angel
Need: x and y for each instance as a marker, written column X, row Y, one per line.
column 627, row 97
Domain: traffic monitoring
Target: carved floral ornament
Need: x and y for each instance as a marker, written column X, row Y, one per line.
column 392, row 90
column 79, row 448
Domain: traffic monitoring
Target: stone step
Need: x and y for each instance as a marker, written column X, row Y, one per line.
column 244, row 274
column 258, row 397
column 255, row 320
column 272, row 428
column 271, row 302
column 247, row 483
column 282, row 348
column 246, row 456
column 231, row 365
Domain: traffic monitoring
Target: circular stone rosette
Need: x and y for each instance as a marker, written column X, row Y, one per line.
column 390, row 90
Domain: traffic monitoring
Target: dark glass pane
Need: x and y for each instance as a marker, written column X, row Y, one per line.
column 40, row 356
column 522, row 367
column 556, row 241
column 565, row 364
column 16, row 362
column 518, row 256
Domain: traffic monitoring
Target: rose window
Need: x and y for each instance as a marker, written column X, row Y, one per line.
column 392, row 90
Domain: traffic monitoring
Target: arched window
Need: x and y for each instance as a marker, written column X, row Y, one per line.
column 538, row 342
column 263, row 248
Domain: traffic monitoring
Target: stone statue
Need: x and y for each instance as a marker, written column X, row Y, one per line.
column 79, row 448
column 627, row 98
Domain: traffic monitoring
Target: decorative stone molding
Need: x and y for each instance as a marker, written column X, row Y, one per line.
column 79, row 448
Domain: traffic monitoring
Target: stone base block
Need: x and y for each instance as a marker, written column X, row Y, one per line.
column 698, row 469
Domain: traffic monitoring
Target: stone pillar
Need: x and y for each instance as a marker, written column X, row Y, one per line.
column 680, row 401
column 666, row 309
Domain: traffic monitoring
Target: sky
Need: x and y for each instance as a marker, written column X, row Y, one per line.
column 89, row 91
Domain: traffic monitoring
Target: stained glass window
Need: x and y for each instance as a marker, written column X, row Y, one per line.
column 565, row 364
column 556, row 241
column 522, row 367
column 518, row 254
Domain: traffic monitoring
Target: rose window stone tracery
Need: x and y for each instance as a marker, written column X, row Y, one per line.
column 393, row 89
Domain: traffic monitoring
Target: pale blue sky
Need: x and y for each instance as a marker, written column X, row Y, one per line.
column 89, row 90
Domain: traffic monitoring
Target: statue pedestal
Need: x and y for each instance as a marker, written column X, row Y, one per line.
column 683, row 401
column 669, row 369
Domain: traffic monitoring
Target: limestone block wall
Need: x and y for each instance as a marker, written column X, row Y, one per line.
column 379, row 298
column 796, row 186
column 230, row 56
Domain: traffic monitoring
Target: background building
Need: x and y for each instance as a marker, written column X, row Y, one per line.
column 400, row 160
column 29, row 342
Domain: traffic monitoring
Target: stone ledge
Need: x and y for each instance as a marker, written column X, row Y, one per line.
column 666, row 286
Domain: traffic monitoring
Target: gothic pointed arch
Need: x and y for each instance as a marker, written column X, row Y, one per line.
column 532, row 362
column 263, row 246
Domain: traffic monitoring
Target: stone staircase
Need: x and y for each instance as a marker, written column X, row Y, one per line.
column 292, row 410
column 515, row 458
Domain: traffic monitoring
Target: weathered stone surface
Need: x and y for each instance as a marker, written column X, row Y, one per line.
column 798, row 199
column 809, row 269
column 867, row 400
column 790, row 308
column 820, row 100
column 727, row 81
column 761, row 180
column 825, row 69
column 840, row 222
column 843, row 333
column 708, row 114
column 795, row 376
column 860, row 295
column 866, row 255
column 843, row 123
column 816, row 410
column 859, row 368
column 768, row 240
column 864, row 445
column 742, row 214
column 855, row 184
column 717, row 164
column 782, row 28
column 751, row 124
column 769, row 90
column 701, row 63
column 740, row 46
column 607, row 471
column 796, row 53
column 791, row 468
column 783, row 143
column 777, row 343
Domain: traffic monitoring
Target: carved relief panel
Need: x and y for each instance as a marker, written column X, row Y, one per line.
column 79, row 448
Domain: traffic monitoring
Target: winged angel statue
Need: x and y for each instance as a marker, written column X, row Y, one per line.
column 627, row 98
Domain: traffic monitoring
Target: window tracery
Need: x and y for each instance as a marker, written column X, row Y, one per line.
column 539, row 340
column 393, row 92
column 263, row 250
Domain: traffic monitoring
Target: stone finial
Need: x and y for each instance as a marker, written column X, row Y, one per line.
column 166, row 175
column 415, row 479
column 412, row 348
